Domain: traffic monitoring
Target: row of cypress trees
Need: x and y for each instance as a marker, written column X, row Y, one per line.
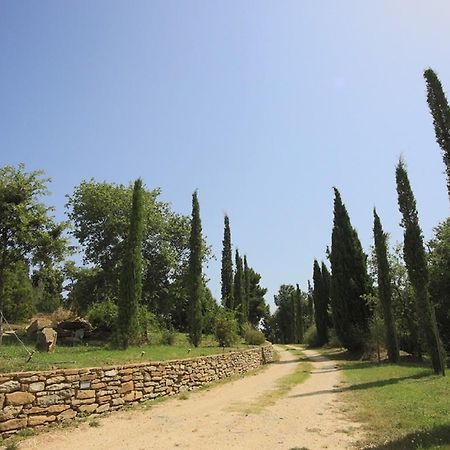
column 350, row 285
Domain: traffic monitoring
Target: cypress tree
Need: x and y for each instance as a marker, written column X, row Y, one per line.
column 326, row 284
column 246, row 291
column 440, row 112
column 416, row 264
column 238, row 288
column 195, row 281
column 131, row 276
column 385, row 288
column 300, row 326
column 320, row 305
column 227, row 267
column 349, row 281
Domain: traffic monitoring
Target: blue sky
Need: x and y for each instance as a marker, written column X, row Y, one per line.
column 262, row 106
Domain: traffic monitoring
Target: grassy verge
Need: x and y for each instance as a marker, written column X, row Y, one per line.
column 283, row 386
column 402, row 406
column 13, row 357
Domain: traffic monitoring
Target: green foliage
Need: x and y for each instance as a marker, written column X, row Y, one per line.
column 416, row 263
column 131, row 277
column 385, row 288
column 238, row 289
column 28, row 233
column 321, row 300
column 257, row 307
column 311, row 337
column 48, row 286
column 440, row 112
column 226, row 328
column 245, row 291
column 349, row 282
column 195, row 280
column 252, row 336
column 227, row 267
column 103, row 315
column 439, row 267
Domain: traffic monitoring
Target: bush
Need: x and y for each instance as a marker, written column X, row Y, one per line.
column 311, row 338
column 253, row 336
column 226, row 329
column 103, row 315
column 168, row 337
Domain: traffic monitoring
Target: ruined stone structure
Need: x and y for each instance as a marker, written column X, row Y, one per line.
column 29, row 399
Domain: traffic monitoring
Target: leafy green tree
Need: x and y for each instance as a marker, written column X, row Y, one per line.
column 227, row 267
column 257, row 307
column 440, row 111
column 285, row 314
column 99, row 212
column 246, row 291
column 299, row 316
column 131, row 276
column 48, row 287
column 238, row 288
column 439, row 266
column 385, row 288
column 194, row 280
column 416, row 263
column 349, row 282
column 320, row 305
column 28, row 233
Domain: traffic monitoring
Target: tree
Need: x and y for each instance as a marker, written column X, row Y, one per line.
column 257, row 307
column 194, row 279
column 320, row 305
column 385, row 288
column 326, row 284
column 227, row 267
column 439, row 266
column 131, row 277
column 416, row 263
column 28, row 233
column 285, row 314
column 100, row 215
column 299, row 317
column 238, row 288
column 246, row 291
column 349, row 282
column 440, row 112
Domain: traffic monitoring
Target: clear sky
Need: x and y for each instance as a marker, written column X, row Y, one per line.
column 261, row 105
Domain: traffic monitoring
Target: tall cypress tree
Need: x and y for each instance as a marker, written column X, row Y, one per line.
column 195, row 282
column 326, row 283
column 131, row 276
column 246, row 291
column 238, row 288
column 320, row 305
column 227, row 267
column 440, row 111
column 300, row 326
column 385, row 288
column 349, row 281
column 416, row 264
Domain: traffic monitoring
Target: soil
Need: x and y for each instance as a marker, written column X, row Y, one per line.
column 309, row 417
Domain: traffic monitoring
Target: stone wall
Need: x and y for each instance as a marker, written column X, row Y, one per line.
column 29, row 399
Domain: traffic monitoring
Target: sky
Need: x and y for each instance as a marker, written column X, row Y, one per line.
column 263, row 106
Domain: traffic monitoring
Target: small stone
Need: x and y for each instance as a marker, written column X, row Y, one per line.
column 126, row 387
column 90, row 393
column 9, row 386
column 59, row 386
column 111, row 373
column 85, row 384
column 36, row 387
column 33, row 421
column 102, row 408
column 67, row 415
column 14, row 424
column 56, row 409
column 88, row 408
column 54, row 380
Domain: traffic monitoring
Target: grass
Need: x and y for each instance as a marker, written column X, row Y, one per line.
column 402, row 406
column 13, row 357
column 283, row 386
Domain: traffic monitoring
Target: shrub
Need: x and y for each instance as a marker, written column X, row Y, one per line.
column 226, row 329
column 103, row 315
column 253, row 336
column 311, row 338
column 168, row 337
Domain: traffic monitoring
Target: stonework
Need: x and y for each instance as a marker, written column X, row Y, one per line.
column 30, row 399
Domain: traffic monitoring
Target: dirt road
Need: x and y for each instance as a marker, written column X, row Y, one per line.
column 307, row 417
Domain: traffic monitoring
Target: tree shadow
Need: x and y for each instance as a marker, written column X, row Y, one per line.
column 436, row 436
column 360, row 386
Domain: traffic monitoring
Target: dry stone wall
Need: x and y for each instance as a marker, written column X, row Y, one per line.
column 30, row 399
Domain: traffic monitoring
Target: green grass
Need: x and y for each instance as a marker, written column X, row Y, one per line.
column 402, row 406
column 13, row 357
column 283, row 386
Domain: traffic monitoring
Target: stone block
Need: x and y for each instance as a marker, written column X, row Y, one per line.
column 111, row 373
column 67, row 415
column 10, row 412
column 36, row 387
column 19, row 398
column 126, row 387
column 34, row 421
column 85, row 384
column 14, row 424
column 88, row 408
column 103, row 408
column 56, row 409
column 9, row 386
column 88, row 393
column 59, row 386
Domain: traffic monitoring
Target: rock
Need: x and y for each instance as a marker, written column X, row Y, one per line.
column 88, row 393
column 2, row 400
column 67, row 415
column 36, row 326
column 19, row 398
column 10, row 412
column 14, row 424
column 10, row 386
column 111, row 373
column 36, row 387
column 57, row 409
column 126, row 387
column 54, row 380
column 88, row 408
column 102, row 408
column 39, row 420
column 46, row 340
column 73, row 331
